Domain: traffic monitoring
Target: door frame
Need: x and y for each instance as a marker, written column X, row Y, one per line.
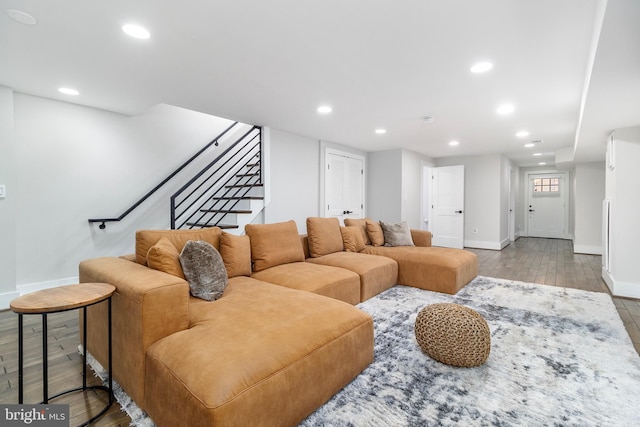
column 565, row 196
column 324, row 150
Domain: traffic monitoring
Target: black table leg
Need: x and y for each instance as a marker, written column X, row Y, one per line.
column 20, row 359
column 84, row 353
column 45, row 362
column 111, row 397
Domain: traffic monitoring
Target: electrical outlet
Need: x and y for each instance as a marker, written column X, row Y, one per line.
column 3, row 191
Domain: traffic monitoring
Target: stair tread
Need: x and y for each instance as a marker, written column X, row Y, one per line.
column 243, row 185
column 239, row 198
column 203, row 225
column 232, row 211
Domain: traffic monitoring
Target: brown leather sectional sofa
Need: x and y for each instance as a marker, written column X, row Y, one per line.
column 264, row 353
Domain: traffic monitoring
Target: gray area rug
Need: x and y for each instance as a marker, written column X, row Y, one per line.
column 558, row 357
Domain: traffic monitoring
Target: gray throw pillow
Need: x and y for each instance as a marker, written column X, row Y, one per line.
column 397, row 234
column 204, row 269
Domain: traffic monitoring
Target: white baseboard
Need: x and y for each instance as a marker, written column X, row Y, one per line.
column 621, row 289
column 586, row 249
column 6, row 298
column 479, row 244
column 32, row 287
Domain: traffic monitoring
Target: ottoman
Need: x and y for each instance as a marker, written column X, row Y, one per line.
column 453, row 334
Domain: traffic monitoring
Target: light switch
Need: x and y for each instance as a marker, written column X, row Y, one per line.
column 3, row 191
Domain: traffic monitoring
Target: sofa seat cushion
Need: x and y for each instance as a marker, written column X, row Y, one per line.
column 377, row 273
column 436, row 269
column 332, row 282
column 263, row 355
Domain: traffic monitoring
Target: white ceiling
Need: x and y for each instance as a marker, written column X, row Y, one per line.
column 379, row 64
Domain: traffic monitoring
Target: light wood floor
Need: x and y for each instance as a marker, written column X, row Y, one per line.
column 545, row 261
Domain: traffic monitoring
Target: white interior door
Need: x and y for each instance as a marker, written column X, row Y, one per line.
column 546, row 205
column 447, row 197
column 344, row 186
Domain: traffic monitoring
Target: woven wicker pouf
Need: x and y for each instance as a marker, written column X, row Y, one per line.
column 453, row 334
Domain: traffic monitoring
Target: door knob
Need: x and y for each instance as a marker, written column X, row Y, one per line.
column 458, row 211
column 532, row 210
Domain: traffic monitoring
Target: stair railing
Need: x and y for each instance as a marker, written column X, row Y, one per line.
column 211, row 184
column 215, row 142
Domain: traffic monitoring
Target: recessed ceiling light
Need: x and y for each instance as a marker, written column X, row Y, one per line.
column 481, row 67
column 537, row 154
column 522, row 134
column 381, row 131
column 505, row 109
column 324, row 109
column 529, row 145
column 542, row 163
column 68, row 91
column 454, row 143
column 21, row 17
column 136, row 31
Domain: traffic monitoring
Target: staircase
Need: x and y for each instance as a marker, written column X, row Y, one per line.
column 228, row 193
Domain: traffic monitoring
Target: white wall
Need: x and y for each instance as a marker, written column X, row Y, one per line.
column 295, row 179
column 74, row 163
column 622, row 190
column 484, row 198
column 384, row 186
column 412, row 188
column 505, row 176
column 589, row 194
column 7, row 205
column 394, row 186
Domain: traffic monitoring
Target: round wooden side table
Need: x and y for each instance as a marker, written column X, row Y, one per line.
column 55, row 300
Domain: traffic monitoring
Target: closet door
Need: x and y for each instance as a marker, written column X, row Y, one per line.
column 344, row 185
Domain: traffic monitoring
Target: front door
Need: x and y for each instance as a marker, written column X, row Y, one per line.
column 546, row 205
column 448, row 206
column 344, row 185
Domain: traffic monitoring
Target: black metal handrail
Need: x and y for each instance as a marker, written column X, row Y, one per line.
column 203, row 189
column 215, row 142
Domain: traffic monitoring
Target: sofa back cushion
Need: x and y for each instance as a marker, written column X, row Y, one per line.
column 164, row 256
column 324, row 236
column 236, row 254
column 362, row 224
column 274, row 244
column 145, row 239
column 352, row 238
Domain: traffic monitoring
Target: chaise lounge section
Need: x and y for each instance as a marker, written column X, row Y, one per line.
column 436, row 269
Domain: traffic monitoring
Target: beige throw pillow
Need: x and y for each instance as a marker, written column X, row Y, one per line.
column 397, row 234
